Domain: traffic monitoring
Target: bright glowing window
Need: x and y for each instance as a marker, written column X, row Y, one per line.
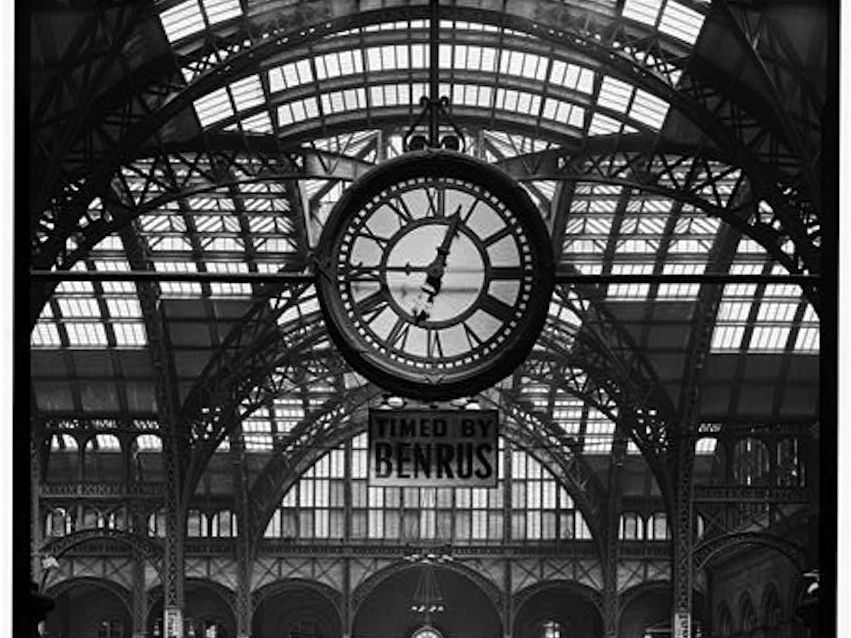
column 627, row 291
column 182, row 20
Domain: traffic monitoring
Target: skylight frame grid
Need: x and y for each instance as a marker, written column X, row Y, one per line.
column 629, row 291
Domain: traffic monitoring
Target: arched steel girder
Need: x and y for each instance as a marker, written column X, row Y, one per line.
column 584, row 591
column 703, row 180
column 247, row 371
column 224, row 160
column 763, row 34
column 257, row 371
column 150, row 548
column 704, row 551
column 330, row 428
column 698, row 102
column 287, row 585
column 103, row 583
column 221, row 160
column 323, row 430
column 251, row 365
column 485, row 585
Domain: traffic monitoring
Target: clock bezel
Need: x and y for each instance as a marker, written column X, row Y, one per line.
column 400, row 379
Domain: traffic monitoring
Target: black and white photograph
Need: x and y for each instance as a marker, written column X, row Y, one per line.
column 425, row 319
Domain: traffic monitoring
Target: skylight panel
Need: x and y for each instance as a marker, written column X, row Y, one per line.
column 563, row 112
column 572, row 76
column 45, row 335
column 124, row 307
column 76, row 307
column 75, row 287
column 473, row 95
column 227, row 289
column 615, row 94
column 178, row 288
column 807, row 341
column 182, row 20
column 221, row 10
column 259, row 123
column 517, row 101
column 298, row 111
column 213, row 107
column 648, row 109
column 769, row 338
column 680, row 290
column 247, row 93
column 605, row 125
column 525, row 65
column 630, row 291
column 681, row 22
column 727, row 337
column 129, row 334
column 85, row 334
column 644, row 11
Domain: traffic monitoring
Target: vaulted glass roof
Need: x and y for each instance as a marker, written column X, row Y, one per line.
column 232, row 161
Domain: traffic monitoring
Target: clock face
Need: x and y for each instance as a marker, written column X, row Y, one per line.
column 435, row 272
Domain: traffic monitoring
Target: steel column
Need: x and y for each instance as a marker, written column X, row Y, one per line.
column 244, row 559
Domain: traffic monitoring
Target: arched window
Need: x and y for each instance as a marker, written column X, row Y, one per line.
column 223, row 524
column 725, row 622
column 789, row 464
column 750, row 462
column 631, row 527
column 147, row 458
column 772, row 613
column 699, row 527
column 551, row 629
column 58, row 522
column 156, row 523
column 747, row 616
column 657, row 527
column 708, row 461
column 196, row 524
column 103, row 459
column 204, row 628
column 110, row 628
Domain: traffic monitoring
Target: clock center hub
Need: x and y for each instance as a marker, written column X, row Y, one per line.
column 434, row 272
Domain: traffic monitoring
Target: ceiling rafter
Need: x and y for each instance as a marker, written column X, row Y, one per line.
column 621, row 62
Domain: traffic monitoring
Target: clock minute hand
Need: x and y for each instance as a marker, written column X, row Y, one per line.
column 434, row 272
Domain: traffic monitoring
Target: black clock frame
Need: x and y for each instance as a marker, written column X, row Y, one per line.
column 375, row 366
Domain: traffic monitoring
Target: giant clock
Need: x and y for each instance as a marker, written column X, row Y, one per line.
column 435, row 272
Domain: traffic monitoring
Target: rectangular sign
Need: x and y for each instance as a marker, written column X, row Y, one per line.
column 433, row 448
column 682, row 624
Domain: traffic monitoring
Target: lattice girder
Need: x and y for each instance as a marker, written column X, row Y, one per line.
column 618, row 50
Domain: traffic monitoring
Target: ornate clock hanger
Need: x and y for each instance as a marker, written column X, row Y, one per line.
column 434, row 269
column 434, row 107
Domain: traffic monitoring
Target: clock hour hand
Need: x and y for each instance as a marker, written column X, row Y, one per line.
column 434, row 271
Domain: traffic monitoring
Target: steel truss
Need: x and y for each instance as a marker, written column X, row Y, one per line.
column 741, row 137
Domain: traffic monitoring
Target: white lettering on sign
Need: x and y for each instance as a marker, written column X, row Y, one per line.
column 433, row 448
column 682, row 624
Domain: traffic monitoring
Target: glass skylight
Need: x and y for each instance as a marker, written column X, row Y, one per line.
column 637, row 104
column 629, row 291
column 670, row 17
column 186, row 18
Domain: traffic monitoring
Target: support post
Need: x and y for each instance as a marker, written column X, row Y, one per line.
column 683, row 541
column 140, row 596
column 243, row 540
column 36, row 530
column 175, row 530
